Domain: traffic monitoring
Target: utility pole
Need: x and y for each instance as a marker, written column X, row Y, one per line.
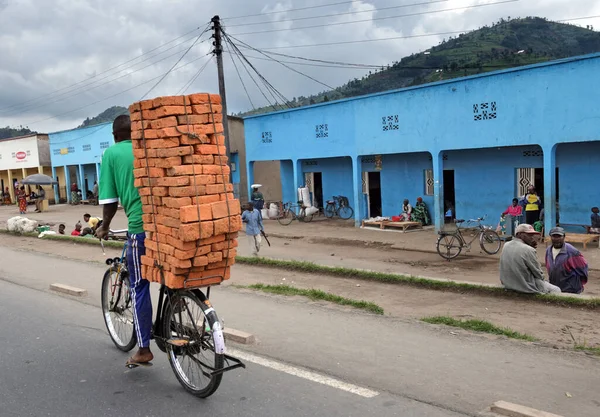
column 219, row 54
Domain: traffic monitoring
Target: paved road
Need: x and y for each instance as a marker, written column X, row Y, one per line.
column 56, row 360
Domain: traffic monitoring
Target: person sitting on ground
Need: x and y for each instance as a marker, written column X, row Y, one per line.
column 77, row 231
column 61, row 229
column 420, row 213
column 39, row 200
column 254, row 227
column 519, row 267
column 93, row 222
column 595, row 228
column 406, row 211
column 567, row 268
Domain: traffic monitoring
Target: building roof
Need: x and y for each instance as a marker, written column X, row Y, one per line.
column 429, row 85
column 98, row 126
column 24, row 136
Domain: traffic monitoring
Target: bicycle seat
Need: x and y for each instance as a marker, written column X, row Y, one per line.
column 459, row 221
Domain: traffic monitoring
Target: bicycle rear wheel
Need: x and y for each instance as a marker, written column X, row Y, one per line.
column 286, row 217
column 117, row 309
column 490, row 242
column 190, row 344
column 346, row 212
column 449, row 246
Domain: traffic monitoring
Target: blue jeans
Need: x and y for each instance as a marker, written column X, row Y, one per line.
column 140, row 289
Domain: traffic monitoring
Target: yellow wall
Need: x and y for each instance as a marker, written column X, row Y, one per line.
column 62, row 181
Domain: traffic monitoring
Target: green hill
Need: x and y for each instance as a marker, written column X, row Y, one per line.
column 506, row 44
column 107, row 115
column 12, row 132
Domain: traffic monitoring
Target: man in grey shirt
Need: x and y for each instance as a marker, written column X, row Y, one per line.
column 520, row 269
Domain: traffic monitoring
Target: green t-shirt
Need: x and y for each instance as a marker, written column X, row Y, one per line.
column 116, row 183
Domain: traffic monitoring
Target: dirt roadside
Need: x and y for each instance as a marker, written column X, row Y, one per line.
column 550, row 324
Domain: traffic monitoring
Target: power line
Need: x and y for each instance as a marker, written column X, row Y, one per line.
column 89, row 87
column 366, row 67
column 194, row 77
column 324, row 61
column 340, row 14
column 380, row 18
column 103, row 72
column 292, row 10
column 239, row 76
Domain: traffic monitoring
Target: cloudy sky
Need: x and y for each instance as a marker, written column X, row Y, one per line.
column 64, row 60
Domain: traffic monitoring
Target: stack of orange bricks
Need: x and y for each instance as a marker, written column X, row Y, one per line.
column 191, row 217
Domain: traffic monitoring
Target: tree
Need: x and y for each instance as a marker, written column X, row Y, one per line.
column 311, row 101
column 325, row 98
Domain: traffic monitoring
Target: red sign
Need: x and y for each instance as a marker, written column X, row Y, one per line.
column 21, row 155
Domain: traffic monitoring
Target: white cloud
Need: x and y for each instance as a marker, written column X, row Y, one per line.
column 51, row 45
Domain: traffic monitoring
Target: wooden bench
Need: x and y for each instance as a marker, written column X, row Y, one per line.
column 577, row 238
column 388, row 223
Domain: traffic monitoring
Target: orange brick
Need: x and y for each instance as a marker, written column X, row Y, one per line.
column 169, row 101
column 143, row 154
column 192, row 253
column 189, row 214
column 148, row 209
column 219, row 188
column 229, row 253
column 166, row 230
column 177, row 203
column 206, row 149
column 159, row 247
column 137, row 125
column 190, row 232
column 202, row 179
column 221, row 160
column 146, row 260
column 141, row 182
column 143, row 191
column 135, row 108
column 152, row 200
column 180, row 151
column 168, row 132
column 150, row 172
column 144, row 134
column 163, row 123
column 198, row 159
column 212, row 128
column 214, row 257
column 168, row 162
column 215, row 99
column 169, row 212
column 198, row 98
column 213, row 239
column 231, row 236
column 228, row 196
column 170, row 181
column 189, row 191
column 216, row 139
column 192, row 119
column 165, row 143
column 205, row 199
column 194, row 140
column 146, row 104
column 160, row 192
column 201, row 260
column 180, row 245
column 228, row 244
column 143, row 163
column 167, row 221
column 219, row 272
column 216, row 169
column 165, row 111
column 179, row 263
column 206, row 109
column 185, row 170
column 225, row 208
column 228, row 225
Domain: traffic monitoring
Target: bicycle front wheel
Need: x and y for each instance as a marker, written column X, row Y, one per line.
column 286, row 218
column 449, row 246
column 346, row 212
column 190, row 344
column 117, row 309
column 329, row 211
column 490, row 242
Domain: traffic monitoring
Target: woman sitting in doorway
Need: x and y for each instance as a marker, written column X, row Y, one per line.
column 406, row 211
column 420, row 213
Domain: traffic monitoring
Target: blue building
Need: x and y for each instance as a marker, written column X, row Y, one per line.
column 76, row 156
column 472, row 143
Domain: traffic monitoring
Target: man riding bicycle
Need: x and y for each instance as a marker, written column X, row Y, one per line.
column 117, row 183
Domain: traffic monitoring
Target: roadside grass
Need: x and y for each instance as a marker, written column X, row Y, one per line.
column 480, row 326
column 426, row 283
column 342, row 272
column 586, row 348
column 315, row 295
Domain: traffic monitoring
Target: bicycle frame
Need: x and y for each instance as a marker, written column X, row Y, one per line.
column 458, row 232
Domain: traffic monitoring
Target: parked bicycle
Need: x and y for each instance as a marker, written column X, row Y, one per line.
column 340, row 207
column 290, row 212
column 451, row 243
column 186, row 328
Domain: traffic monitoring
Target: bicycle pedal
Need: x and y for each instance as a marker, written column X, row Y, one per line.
column 178, row 342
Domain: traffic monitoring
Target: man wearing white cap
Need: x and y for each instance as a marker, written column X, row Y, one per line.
column 520, row 269
column 257, row 198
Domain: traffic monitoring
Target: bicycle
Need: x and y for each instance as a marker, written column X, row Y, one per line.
column 288, row 214
column 186, row 327
column 451, row 243
column 340, row 207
